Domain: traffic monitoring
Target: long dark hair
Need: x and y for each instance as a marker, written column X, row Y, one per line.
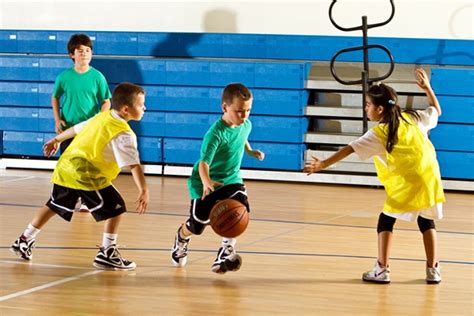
column 387, row 97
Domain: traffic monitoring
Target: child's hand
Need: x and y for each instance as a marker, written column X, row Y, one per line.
column 314, row 166
column 58, row 126
column 51, row 147
column 422, row 79
column 142, row 202
column 208, row 187
column 260, row 155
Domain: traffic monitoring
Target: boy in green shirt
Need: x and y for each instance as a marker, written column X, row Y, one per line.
column 81, row 90
column 216, row 176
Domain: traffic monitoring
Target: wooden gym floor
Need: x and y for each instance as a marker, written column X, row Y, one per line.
column 304, row 253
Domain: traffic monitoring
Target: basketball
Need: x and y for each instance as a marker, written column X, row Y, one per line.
column 229, row 218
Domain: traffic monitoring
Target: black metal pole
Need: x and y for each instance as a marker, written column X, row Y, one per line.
column 365, row 73
column 365, row 87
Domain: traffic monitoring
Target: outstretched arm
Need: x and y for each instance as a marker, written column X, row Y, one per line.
column 143, row 194
column 318, row 164
column 424, row 83
column 260, row 155
column 52, row 145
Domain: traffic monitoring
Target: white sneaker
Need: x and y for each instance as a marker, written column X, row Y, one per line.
column 433, row 275
column 378, row 274
column 227, row 260
column 179, row 252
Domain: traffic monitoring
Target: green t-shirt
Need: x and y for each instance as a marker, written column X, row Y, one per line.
column 222, row 149
column 82, row 94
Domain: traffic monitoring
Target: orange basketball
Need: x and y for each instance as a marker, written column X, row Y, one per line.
column 229, row 218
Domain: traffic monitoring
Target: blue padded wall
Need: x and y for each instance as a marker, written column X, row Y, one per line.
column 23, row 143
column 18, row 94
column 19, row 119
column 253, row 46
column 19, row 68
column 8, row 41
column 456, row 165
column 36, row 41
column 456, row 109
column 151, row 149
column 453, row 138
column 278, row 156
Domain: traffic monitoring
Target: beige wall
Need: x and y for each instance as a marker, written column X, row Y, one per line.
column 450, row 19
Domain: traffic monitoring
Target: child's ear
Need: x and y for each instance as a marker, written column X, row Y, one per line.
column 224, row 107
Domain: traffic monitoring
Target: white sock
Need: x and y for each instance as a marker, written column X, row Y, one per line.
column 31, row 232
column 109, row 239
column 229, row 242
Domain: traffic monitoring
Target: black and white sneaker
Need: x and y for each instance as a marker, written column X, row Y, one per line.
column 179, row 252
column 227, row 260
column 110, row 259
column 23, row 248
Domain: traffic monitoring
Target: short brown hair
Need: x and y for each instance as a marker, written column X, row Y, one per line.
column 77, row 40
column 124, row 95
column 235, row 90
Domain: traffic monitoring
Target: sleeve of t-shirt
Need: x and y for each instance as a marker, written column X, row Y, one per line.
column 125, row 149
column 58, row 87
column 78, row 127
column 209, row 146
column 428, row 119
column 103, row 89
column 368, row 145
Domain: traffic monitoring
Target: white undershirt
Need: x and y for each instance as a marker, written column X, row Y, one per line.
column 123, row 148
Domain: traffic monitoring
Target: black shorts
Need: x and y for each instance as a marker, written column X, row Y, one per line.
column 103, row 204
column 200, row 209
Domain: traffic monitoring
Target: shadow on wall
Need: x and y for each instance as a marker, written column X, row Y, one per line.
column 444, row 55
column 184, row 44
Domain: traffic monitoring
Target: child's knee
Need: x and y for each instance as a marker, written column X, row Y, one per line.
column 195, row 227
column 425, row 224
column 385, row 223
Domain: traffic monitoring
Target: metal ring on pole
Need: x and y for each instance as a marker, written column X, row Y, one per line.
column 369, row 26
column 357, row 48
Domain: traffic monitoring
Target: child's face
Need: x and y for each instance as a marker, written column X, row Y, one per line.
column 82, row 55
column 136, row 111
column 237, row 112
column 374, row 112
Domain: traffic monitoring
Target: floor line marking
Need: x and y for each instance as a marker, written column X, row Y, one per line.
column 48, row 285
column 44, row 265
column 20, row 179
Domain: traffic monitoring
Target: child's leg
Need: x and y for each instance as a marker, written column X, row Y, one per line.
column 111, row 231
column 42, row 216
column 384, row 247
column 430, row 241
column 385, row 234
column 433, row 269
column 380, row 273
column 184, row 232
column 23, row 246
column 428, row 229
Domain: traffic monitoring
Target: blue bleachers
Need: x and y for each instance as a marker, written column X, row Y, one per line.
column 453, row 138
column 253, row 46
